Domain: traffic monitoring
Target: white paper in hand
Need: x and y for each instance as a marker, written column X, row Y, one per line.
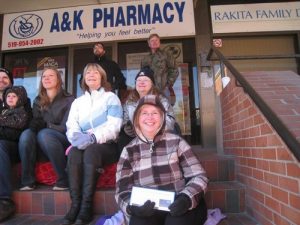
column 161, row 198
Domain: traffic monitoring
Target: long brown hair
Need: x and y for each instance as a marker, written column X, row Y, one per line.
column 44, row 99
column 104, row 83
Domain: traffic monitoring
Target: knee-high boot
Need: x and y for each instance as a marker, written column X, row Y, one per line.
column 75, row 185
column 90, row 177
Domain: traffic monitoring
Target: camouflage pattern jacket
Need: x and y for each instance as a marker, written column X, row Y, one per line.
column 164, row 66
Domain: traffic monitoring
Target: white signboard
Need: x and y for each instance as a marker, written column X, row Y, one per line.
column 284, row 16
column 104, row 22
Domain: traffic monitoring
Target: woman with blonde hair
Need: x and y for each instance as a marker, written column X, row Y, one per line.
column 93, row 126
column 46, row 131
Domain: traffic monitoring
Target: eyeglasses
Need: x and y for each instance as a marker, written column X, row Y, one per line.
column 150, row 114
column 143, row 80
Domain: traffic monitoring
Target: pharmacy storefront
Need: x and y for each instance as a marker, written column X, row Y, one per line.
column 64, row 38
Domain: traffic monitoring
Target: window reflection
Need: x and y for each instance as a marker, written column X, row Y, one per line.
column 27, row 67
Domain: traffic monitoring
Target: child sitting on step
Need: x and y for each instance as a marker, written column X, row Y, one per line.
column 14, row 118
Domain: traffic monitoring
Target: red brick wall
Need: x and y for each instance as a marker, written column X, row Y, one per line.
column 264, row 164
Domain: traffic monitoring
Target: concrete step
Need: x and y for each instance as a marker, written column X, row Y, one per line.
column 223, row 192
column 228, row 196
column 218, row 167
column 45, row 201
column 18, row 219
column 238, row 219
column 21, row 219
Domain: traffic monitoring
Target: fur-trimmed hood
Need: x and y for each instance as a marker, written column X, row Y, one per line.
column 148, row 100
column 20, row 91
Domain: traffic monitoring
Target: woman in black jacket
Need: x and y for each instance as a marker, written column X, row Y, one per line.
column 47, row 130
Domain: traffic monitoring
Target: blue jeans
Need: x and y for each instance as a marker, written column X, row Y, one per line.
column 8, row 154
column 53, row 144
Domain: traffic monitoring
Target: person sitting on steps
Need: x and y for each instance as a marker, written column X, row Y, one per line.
column 46, row 131
column 160, row 160
column 11, row 127
column 92, row 128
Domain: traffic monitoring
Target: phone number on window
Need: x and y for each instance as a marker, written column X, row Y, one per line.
column 33, row 42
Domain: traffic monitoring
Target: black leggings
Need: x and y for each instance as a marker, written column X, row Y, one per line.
column 196, row 216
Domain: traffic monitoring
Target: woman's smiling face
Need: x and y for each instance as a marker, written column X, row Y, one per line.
column 150, row 120
column 93, row 78
column 49, row 79
column 143, row 85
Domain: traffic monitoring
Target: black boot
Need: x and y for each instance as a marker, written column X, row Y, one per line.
column 7, row 208
column 75, row 184
column 91, row 175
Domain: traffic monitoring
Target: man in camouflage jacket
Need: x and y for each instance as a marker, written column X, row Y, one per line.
column 162, row 63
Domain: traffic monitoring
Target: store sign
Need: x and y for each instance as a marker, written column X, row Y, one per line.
column 283, row 16
column 105, row 22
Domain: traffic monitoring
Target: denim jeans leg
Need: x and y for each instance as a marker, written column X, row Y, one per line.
column 54, row 144
column 7, row 149
column 27, row 151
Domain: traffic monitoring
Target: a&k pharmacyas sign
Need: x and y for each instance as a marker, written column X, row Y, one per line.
column 105, row 22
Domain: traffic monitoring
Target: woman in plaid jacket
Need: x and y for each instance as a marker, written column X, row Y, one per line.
column 164, row 161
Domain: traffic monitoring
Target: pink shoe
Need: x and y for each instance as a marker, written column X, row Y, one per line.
column 68, row 150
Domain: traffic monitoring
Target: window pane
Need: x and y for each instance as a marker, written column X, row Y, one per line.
column 26, row 67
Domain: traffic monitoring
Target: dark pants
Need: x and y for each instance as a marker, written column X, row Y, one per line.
column 196, row 216
column 53, row 144
column 84, row 167
column 8, row 154
column 123, row 140
column 97, row 155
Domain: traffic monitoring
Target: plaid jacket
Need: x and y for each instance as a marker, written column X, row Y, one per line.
column 171, row 166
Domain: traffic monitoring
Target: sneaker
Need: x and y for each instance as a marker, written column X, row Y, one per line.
column 28, row 188
column 7, row 208
column 59, row 188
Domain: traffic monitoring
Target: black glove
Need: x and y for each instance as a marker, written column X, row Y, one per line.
column 180, row 206
column 145, row 210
